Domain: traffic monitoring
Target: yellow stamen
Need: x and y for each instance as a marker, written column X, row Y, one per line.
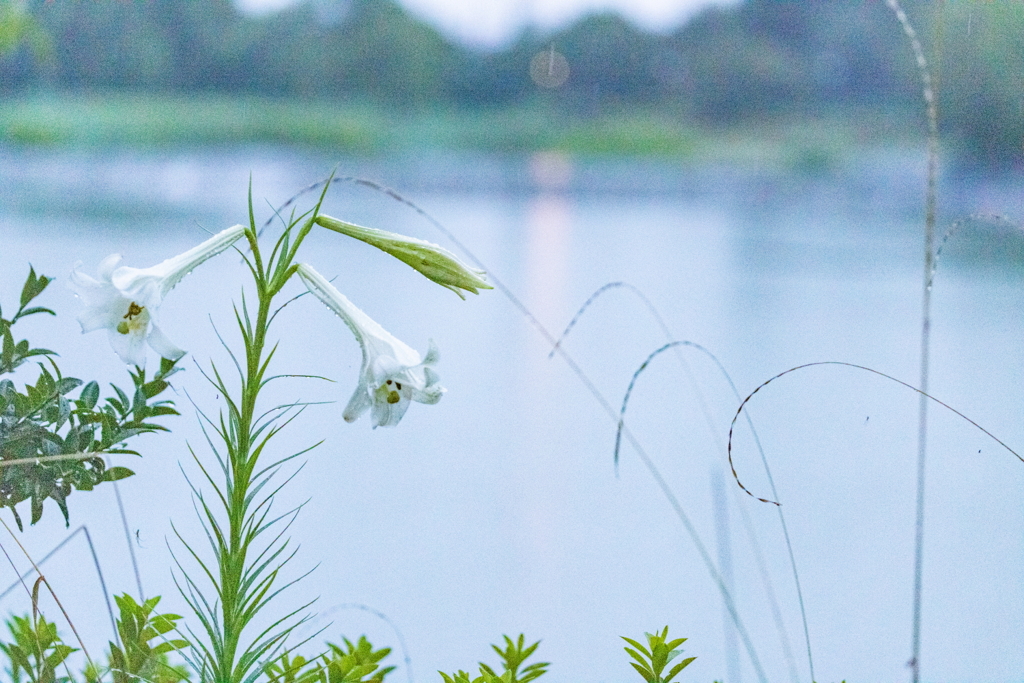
column 133, row 310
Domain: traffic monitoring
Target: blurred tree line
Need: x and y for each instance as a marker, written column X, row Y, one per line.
column 734, row 65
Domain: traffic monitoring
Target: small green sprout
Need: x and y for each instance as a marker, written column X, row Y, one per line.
column 652, row 660
column 512, row 657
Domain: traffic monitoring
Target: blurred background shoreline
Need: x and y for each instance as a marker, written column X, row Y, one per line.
column 806, row 84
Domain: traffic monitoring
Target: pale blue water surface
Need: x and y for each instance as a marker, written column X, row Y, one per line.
column 499, row 509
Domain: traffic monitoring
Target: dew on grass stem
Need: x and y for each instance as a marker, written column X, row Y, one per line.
column 989, row 220
column 928, row 92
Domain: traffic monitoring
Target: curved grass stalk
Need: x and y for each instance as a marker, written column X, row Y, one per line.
column 695, row 386
column 42, row 578
column 651, row 308
column 990, row 218
column 924, row 395
column 785, row 530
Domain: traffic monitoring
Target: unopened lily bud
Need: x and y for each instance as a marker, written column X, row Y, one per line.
column 433, row 261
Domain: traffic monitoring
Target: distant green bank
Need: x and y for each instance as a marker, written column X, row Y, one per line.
column 146, row 121
column 734, row 65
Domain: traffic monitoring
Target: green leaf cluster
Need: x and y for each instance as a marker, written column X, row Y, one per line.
column 358, row 663
column 14, row 354
column 355, row 663
column 37, row 650
column 51, row 442
column 512, row 656
column 138, row 658
column 652, row 660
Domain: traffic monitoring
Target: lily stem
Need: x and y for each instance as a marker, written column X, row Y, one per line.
column 241, row 594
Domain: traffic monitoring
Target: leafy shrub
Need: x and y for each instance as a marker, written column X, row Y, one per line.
column 52, row 443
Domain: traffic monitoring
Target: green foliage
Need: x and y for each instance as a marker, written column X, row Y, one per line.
column 512, row 656
column 298, row 669
column 982, row 88
column 37, row 650
column 52, row 443
column 652, row 660
column 359, row 662
column 461, row 676
column 139, row 119
column 355, row 663
column 137, row 658
column 734, row 66
column 13, row 354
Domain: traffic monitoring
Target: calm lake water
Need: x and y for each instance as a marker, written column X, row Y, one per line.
column 499, row 510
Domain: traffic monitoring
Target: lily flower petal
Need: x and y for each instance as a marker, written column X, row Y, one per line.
column 159, row 342
column 125, row 300
column 433, row 261
column 152, row 284
column 99, row 296
column 392, row 373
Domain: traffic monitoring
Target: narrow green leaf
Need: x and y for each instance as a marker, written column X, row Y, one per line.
column 151, row 389
column 675, row 643
column 638, row 646
column 35, row 309
column 117, row 473
column 90, row 395
column 679, row 667
column 33, row 286
column 170, row 646
column 636, row 655
column 37, row 507
column 648, row 676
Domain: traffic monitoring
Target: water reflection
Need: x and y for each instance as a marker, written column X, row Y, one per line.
column 547, row 244
column 548, row 236
column 498, row 511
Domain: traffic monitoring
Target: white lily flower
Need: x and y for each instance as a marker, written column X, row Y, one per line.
column 125, row 300
column 392, row 373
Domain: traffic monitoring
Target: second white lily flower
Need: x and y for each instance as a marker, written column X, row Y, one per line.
column 392, row 373
column 125, row 300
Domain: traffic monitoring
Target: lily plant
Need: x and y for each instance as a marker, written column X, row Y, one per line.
column 242, row 566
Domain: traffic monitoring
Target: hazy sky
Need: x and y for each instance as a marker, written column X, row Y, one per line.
column 489, row 22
